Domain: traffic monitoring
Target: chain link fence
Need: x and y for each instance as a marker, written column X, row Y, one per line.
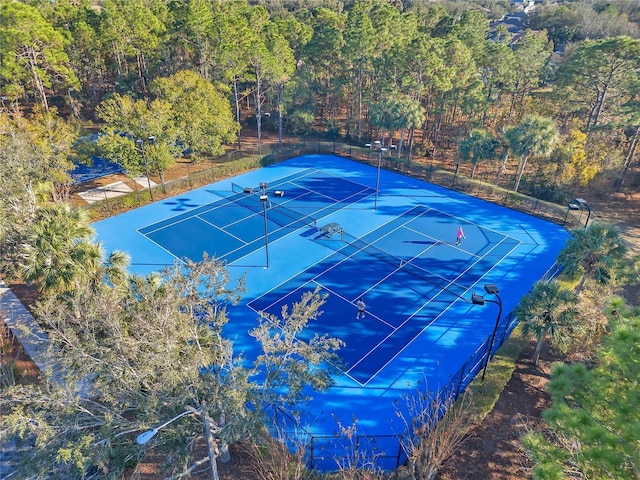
column 385, row 448
column 189, row 175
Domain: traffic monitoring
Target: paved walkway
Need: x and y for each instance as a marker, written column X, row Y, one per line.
column 25, row 328
column 34, row 341
column 102, row 193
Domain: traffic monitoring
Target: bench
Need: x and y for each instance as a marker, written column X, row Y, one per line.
column 330, row 228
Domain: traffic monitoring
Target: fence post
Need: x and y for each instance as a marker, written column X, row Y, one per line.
column 400, row 450
column 464, row 367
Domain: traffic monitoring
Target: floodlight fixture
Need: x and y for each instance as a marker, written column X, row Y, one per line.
column 477, row 299
column 491, row 289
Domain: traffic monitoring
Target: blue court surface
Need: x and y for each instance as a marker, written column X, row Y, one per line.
column 100, row 167
column 326, row 227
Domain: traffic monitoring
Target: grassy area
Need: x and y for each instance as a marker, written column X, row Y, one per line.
column 485, row 393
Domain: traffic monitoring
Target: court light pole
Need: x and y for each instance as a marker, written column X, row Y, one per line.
column 140, row 143
column 264, row 198
column 480, row 300
column 144, row 437
column 375, row 201
column 578, row 204
column 584, row 206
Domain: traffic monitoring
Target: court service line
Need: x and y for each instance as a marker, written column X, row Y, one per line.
column 351, row 302
column 332, row 199
column 272, row 241
column 408, row 319
column 167, row 225
column 161, row 247
column 348, row 200
column 290, row 292
column 487, row 254
column 436, row 241
column 427, row 272
column 253, row 213
column 405, row 345
column 323, row 287
column 291, row 232
column 331, row 174
column 223, row 229
column 185, row 216
column 467, row 222
column 303, row 172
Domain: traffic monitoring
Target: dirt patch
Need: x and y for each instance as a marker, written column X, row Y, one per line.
column 17, row 366
column 239, row 468
column 24, row 370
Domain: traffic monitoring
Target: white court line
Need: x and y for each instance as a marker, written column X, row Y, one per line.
column 329, row 290
column 162, row 248
column 328, row 174
column 292, row 231
column 381, row 320
column 445, row 290
column 222, row 229
column 184, row 216
column 430, row 323
column 285, row 179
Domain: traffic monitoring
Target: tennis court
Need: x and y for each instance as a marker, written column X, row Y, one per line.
column 318, row 221
column 99, row 167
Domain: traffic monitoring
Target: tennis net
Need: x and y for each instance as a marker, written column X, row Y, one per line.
column 288, row 217
column 356, row 245
column 276, row 213
column 235, row 188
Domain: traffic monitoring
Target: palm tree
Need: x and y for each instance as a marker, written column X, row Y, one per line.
column 59, row 251
column 479, row 145
column 548, row 309
column 593, row 252
column 408, row 115
column 113, row 270
column 533, row 136
column 381, row 115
